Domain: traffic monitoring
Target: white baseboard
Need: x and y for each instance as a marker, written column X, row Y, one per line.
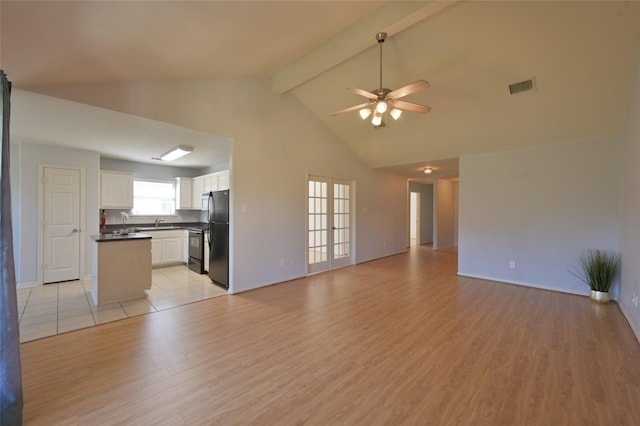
column 267, row 284
column 32, row 284
column 520, row 283
column 634, row 329
column 381, row 257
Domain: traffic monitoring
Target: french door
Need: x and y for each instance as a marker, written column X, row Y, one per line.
column 329, row 228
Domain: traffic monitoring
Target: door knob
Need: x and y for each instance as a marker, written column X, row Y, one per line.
column 74, row 230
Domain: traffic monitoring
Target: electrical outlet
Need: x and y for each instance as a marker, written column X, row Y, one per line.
column 282, row 261
column 634, row 300
column 512, row 264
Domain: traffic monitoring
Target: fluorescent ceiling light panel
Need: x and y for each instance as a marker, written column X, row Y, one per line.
column 176, row 153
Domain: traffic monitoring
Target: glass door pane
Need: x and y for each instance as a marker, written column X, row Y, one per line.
column 329, row 223
column 341, row 225
column 318, row 227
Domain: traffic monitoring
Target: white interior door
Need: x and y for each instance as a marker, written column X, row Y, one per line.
column 329, row 224
column 61, row 225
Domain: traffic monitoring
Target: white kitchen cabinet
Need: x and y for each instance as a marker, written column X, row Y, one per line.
column 156, row 252
column 167, row 247
column 197, row 191
column 216, row 181
column 172, row 249
column 210, row 182
column 184, row 193
column 223, row 180
column 116, row 190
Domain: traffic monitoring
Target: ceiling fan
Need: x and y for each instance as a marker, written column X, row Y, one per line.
column 382, row 100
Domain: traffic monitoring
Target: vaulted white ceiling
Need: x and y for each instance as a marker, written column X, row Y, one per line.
column 581, row 54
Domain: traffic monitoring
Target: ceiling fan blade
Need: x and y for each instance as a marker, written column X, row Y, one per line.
column 408, row 106
column 362, row 93
column 408, row 89
column 353, row 108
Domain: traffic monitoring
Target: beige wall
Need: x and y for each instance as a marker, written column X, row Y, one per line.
column 446, row 215
column 630, row 209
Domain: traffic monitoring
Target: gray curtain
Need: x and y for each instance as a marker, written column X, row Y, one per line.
column 10, row 369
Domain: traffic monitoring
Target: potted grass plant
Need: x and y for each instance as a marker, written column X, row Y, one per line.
column 598, row 269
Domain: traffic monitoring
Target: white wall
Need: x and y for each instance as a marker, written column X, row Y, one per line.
column 277, row 141
column 630, row 208
column 539, row 207
column 31, row 157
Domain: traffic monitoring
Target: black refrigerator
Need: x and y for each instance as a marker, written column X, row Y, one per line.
column 218, row 217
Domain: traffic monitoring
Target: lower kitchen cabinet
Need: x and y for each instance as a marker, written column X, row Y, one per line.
column 172, row 250
column 167, row 247
column 156, row 252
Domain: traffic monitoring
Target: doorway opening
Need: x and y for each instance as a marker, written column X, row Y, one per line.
column 414, row 219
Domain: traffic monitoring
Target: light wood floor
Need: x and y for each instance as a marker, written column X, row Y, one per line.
column 400, row 340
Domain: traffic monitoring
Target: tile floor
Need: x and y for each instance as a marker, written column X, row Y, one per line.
column 56, row 308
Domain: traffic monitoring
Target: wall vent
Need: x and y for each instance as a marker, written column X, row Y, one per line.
column 522, row 86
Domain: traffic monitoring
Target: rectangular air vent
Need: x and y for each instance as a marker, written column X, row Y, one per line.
column 522, row 86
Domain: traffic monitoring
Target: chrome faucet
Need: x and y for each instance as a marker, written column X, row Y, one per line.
column 124, row 216
column 158, row 220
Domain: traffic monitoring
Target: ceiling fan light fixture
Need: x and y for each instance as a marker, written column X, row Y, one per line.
column 395, row 113
column 364, row 113
column 177, row 152
column 383, row 100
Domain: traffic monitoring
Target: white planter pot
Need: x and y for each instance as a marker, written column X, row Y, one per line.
column 599, row 296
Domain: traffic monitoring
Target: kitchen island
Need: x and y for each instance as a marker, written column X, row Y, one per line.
column 121, row 268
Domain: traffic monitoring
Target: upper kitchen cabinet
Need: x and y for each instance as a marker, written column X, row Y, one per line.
column 184, row 194
column 216, row 181
column 198, row 190
column 223, row 180
column 210, row 182
column 116, row 190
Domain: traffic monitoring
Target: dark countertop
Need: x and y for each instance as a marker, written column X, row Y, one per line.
column 163, row 226
column 120, row 237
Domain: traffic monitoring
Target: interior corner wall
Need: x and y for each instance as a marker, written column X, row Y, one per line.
column 444, row 232
column 630, row 211
column 426, row 209
column 276, row 143
column 31, row 157
column 538, row 207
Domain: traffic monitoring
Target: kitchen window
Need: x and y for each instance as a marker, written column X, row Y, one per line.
column 153, row 198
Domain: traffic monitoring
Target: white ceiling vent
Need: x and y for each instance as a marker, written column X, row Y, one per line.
column 522, row 86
